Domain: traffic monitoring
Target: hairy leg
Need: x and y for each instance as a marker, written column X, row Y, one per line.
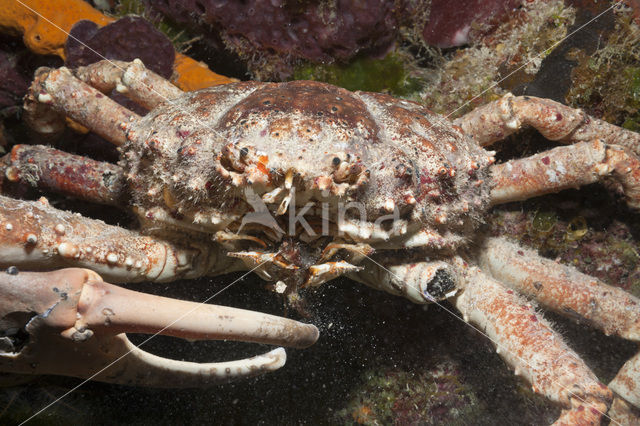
column 132, row 79
column 58, row 171
column 573, row 294
column 527, row 342
column 36, row 236
column 567, row 167
column 56, row 93
column 557, row 122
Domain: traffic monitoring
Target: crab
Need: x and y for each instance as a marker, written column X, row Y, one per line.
column 299, row 182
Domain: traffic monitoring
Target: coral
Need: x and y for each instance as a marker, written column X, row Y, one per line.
column 455, row 24
column 44, row 25
column 17, row 66
column 272, row 35
column 125, row 39
column 177, row 34
column 13, row 86
column 578, row 232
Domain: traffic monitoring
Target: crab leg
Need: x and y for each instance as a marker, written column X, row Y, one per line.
column 68, row 174
column 70, row 322
column 132, row 79
column 34, row 235
column 566, row 167
column 562, row 288
column 570, row 293
column 59, row 92
column 419, row 281
column 626, row 383
column 527, row 342
column 555, row 121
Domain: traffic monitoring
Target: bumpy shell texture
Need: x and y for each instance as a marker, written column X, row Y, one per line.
column 198, row 154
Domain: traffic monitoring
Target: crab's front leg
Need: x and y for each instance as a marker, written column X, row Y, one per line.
column 72, row 323
column 36, row 236
column 419, row 281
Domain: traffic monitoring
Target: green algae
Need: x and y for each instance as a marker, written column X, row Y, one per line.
column 435, row 397
column 607, row 83
column 512, row 54
column 544, row 221
column 390, row 74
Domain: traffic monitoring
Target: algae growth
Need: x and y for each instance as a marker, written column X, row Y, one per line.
column 388, row 75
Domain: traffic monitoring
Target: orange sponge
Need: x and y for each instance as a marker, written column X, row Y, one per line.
column 45, row 24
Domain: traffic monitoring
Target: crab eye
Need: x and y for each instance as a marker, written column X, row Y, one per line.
column 244, row 151
column 336, row 161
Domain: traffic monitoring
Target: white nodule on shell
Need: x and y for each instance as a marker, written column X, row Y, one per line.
column 389, row 205
column 32, row 239
column 121, row 88
column 45, row 98
column 112, row 258
column 8, row 227
column 67, row 249
column 59, row 228
column 513, row 124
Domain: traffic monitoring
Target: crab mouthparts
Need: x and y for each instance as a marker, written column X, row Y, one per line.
column 296, row 265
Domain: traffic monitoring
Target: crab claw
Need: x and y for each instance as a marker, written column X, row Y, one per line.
column 70, row 322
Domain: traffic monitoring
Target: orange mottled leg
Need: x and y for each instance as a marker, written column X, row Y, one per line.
column 132, row 79
column 573, row 294
column 58, row 171
column 557, row 122
column 526, row 341
column 567, row 167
